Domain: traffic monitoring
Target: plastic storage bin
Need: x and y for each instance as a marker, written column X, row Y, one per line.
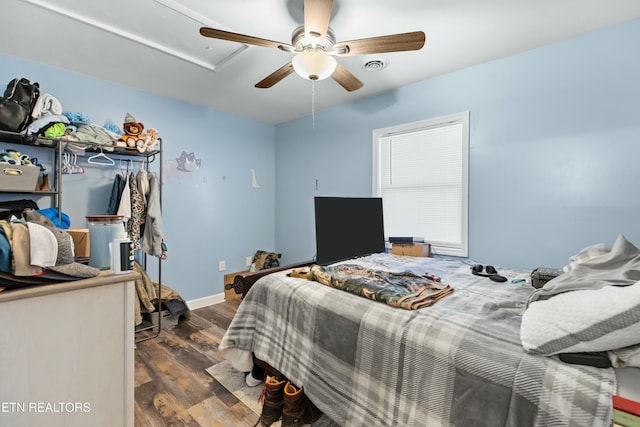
column 103, row 229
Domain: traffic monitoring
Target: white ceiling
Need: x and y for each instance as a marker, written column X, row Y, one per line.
column 154, row 45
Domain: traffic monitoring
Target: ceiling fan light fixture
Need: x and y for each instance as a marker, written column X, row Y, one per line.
column 314, row 47
column 300, row 41
column 314, row 64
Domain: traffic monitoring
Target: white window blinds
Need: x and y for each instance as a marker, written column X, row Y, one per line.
column 420, row 171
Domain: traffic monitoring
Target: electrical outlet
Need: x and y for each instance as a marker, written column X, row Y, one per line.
column 222, row 265
column 249, row 261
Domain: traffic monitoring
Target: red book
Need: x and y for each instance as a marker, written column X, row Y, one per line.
column 626, row 405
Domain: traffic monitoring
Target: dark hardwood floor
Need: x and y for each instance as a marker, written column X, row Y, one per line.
column 172, row 387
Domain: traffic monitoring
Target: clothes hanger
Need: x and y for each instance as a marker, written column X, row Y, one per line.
column 75, row 168
column 66, row 163
column 101, row 159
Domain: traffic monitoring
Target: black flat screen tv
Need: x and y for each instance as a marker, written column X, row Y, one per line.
column 348, row 227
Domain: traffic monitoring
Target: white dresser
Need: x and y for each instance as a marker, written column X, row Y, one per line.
column 67, row 353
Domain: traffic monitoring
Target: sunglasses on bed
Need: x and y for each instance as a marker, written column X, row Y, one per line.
column 491, row 272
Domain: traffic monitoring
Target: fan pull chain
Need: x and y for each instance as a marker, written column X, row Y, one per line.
column 313, row 103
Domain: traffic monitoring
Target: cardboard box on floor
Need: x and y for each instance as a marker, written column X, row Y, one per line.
column 414, row 249
column 229, row 292
column 80, row 238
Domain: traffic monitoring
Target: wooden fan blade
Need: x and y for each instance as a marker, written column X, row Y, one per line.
column 275, row 77
column 346, row 79
column 391, row 43
column 316, row 17
column 240, row 38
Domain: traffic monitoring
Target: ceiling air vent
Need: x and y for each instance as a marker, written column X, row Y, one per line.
column 375, row 65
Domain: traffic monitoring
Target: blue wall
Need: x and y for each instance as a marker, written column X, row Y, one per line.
column 555, row 145
column 210, row 214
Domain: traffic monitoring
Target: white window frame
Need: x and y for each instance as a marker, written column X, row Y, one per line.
column 460, row 248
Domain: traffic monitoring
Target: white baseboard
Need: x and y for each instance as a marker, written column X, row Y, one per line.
column 205, row 301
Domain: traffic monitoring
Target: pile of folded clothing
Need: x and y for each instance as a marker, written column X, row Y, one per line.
column 33, row 251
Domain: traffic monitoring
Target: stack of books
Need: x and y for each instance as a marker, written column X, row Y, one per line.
column 406, row 240
column 626, row 413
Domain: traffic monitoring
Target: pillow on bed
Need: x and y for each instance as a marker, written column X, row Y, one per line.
column 583, row 321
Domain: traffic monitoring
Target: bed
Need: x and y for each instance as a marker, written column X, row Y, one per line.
column 458, row 362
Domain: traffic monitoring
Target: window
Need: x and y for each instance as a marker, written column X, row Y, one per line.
column 420, row 170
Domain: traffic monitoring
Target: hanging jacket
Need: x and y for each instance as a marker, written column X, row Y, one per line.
column 116, row 194
column 137, row 213
column 124, row 208
column 152, row 236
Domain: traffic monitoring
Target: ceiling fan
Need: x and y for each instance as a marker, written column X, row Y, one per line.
column 314, row 45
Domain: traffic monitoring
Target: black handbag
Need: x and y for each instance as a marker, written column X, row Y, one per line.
column 17, row 104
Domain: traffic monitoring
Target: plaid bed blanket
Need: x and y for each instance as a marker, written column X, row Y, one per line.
column 456, row 363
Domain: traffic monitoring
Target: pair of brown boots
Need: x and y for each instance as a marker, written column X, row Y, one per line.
column 45, row 183
column 283, row 399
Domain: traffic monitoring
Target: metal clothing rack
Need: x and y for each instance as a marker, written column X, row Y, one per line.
column 130, row 156
column 155, row 328
column 146, row 159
